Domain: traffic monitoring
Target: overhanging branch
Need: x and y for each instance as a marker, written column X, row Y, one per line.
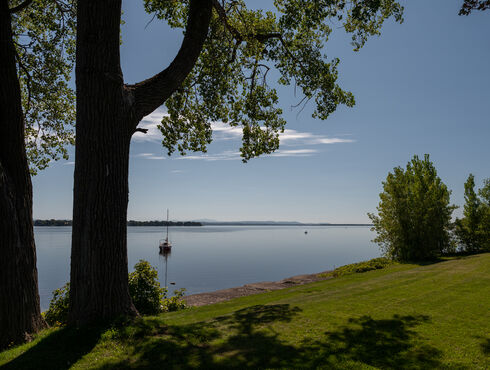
column 21, row 6
column 153, row 92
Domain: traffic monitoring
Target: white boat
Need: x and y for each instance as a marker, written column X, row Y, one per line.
column 164, row 243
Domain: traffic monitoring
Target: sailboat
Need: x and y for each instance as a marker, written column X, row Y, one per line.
column 165, row 245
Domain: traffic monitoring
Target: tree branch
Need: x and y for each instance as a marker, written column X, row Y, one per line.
column 21, row 6
column 26, row 71
column 261, row 37
column 153, row 92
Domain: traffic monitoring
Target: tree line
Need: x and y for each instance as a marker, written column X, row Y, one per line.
column 219, row 73
column 414, row 219
column 53, row 222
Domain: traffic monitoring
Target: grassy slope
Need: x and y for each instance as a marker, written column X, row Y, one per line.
column 405, row 316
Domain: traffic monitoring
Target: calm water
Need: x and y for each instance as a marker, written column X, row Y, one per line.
column 216, row 257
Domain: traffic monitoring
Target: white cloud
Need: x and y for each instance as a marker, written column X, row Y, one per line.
column 294, row 153
column 227, row 155
column 149, row 156
column 156, row 157
column 150, row 122
column 293, row 137
column 144, row 155
column 223, row 131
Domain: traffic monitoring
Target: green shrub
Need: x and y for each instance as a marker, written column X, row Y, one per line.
column 57, row 313
column 145, row 290
column 147, row 295
column 174, row 303
column 374, row 264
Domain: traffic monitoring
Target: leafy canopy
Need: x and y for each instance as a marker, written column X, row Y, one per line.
column 44, row 38
column 470, row 5
column 414, row 213
column 243, row 50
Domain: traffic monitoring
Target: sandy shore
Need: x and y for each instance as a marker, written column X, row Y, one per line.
column 203, row 299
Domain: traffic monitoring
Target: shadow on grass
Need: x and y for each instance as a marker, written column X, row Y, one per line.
column 246, row 339
column 485, row 346
column 387, row 343
column 59, row 350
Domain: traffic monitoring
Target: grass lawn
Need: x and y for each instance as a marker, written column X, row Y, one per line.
column 404, row 316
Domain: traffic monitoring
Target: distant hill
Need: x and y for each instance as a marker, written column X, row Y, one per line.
column 274, row 223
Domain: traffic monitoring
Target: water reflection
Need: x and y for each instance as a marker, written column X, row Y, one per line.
column 164, row 254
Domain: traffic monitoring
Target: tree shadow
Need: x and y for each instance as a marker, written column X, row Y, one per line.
column 386, row 343
column 59, row 350
column 485, row 346
column 245, row 339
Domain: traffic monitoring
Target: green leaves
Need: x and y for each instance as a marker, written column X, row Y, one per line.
column 414, row 213
column 473, row 230
column 44, row 37
column 247, row 48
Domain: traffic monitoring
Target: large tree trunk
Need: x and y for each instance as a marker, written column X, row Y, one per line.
column 20, row 314
column 107, row 115
column 99, row 265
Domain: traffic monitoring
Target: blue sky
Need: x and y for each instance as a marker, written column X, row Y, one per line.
column 421, row 87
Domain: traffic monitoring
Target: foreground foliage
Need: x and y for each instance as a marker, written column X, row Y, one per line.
column 403, row 316
column 44, row 39
column 414, row 213
column 147, row 296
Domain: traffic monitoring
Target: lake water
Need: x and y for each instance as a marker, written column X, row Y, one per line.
column 209, row 258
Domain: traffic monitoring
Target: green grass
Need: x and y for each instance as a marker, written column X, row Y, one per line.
column 402, row 316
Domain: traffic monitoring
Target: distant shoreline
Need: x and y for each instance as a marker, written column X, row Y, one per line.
column 129, row 223
column 198, row 223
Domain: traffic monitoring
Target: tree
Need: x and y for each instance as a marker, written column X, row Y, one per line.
column 414, row 213
column 484, row 228
column 219, row 73
column 34, row 72
column 467, row 228
column 473, row 230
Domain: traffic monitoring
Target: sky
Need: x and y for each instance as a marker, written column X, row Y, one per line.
column 421, row 87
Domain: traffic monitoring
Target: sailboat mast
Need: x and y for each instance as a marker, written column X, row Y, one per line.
column 167, row 224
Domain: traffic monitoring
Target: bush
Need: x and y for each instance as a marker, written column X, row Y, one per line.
column 57, row 313
column 414, row 214
column 145, row 290
column 374, row 264
column 174, row 303
column 147, row 295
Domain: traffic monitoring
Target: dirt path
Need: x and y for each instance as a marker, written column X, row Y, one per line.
column 203, row 299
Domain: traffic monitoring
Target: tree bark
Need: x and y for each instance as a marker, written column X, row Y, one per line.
column 99, row 264
column 20, row 313
column 107, row 115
